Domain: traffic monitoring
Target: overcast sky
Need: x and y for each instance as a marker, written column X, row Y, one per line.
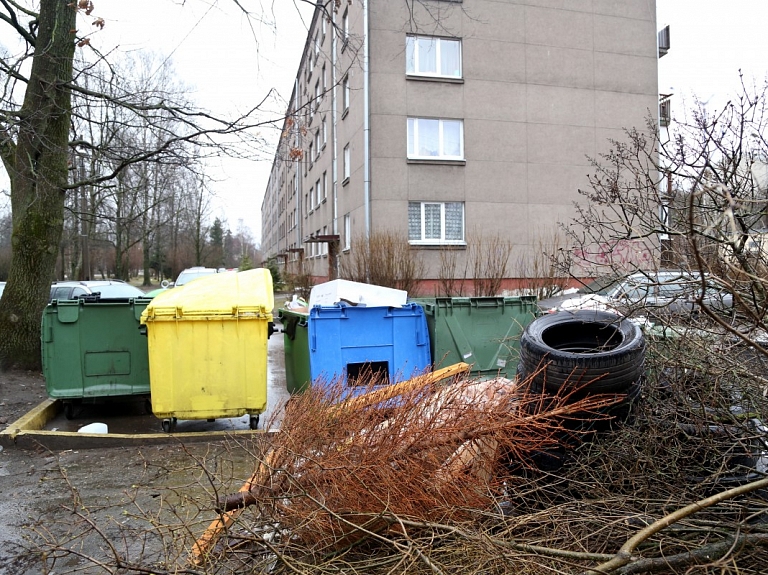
column 230, row 62
column 710, row 41
column 231, row 66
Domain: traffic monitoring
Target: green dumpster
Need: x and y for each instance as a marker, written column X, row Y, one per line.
column 92, row 349
column 481, row 331
column 296, row 345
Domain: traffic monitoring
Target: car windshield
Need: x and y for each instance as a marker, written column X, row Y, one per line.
column 188, row 276
column 601, row 285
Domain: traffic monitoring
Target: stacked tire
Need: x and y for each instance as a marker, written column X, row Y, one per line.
column 572, row 355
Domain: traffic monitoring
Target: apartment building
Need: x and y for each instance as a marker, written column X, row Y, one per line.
column 444, row 119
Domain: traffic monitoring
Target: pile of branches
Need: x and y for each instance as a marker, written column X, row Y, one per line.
column 476, row 477
column 339, row 476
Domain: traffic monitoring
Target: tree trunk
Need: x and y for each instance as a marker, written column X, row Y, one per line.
column 38, row 172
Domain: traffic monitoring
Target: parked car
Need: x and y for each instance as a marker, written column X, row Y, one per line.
column 194, row 273
column 667, row 292
column 107, row 289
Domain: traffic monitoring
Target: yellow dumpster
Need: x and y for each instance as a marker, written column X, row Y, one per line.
column 208, row 347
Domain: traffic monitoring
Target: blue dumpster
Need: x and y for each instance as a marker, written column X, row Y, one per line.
column 354, row 343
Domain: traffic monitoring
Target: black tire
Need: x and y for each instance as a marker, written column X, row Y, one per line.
column 589, row 351
column 254, row 422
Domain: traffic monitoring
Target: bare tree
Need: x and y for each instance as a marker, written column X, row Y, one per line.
column 37, row 146
column 693, row 200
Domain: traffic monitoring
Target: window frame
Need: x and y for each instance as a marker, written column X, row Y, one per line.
column 347, row 231
column 441, row 155
column 324, row 245
column 442, row 241
column 345, row 95
column 325, row 185
column 324, row 125
column 347, row 155
column 438, row 63
column 345, row 29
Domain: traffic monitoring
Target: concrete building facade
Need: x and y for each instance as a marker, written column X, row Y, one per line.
column 441, row 120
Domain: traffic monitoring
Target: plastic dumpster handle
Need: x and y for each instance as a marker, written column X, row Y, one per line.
column 490, row 302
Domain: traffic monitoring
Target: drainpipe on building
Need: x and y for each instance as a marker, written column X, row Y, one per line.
column 366, row 125
column 334, row 150
column 297, row 161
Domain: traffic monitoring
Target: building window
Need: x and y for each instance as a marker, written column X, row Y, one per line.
column 319, row 192
column 430, row 56
column 345, row 93
column 325, row 81
column 311, row 203
column 311, row 156
column 347, row 231
column 318, row 95
column 436, row 222
column 346, row 164
column 325, row 185
column 324, row 245
column 317, row 144
column 325, row 132
column 345, row 29
column 435, row 139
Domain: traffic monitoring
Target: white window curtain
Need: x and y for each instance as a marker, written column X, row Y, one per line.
column 433, row 56
column 432, row 138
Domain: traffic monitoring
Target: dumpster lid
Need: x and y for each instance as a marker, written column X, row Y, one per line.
column 239, row 294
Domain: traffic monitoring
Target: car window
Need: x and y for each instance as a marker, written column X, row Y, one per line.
column 601, row 286
column 60, row 292
column 673, row 290
column 113, row 291
column 78, row 291
column 636, row 292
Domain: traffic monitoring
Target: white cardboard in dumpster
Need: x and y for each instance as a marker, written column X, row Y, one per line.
column 356, row 293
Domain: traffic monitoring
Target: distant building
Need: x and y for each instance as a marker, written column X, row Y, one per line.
column 440, row 119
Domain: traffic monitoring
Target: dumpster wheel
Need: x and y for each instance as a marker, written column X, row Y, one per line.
column 71, row 410
column 254, row 422
column 169, row 425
